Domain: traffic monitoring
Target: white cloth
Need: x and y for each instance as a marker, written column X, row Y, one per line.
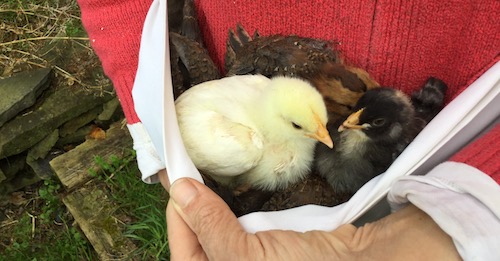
column 462, row 200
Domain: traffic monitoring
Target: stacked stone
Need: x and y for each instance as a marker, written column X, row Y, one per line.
column 39, row 121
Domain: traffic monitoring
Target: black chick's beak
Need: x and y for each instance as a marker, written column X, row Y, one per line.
column 352, row 122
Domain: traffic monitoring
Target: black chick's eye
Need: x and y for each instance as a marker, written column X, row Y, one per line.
column 378, row 122
column 296, row 126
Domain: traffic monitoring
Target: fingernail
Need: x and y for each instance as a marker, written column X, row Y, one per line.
column 182, row 192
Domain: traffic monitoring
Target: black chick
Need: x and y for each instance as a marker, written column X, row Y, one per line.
column 189, row 59
column 311, row 59
column 369, row 140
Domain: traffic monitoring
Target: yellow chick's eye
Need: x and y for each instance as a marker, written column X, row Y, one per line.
column 296, row 126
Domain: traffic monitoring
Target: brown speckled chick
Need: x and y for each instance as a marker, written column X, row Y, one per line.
column 312, row 59
column 190, row 62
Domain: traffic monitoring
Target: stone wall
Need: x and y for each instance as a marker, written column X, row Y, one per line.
column 39, row 121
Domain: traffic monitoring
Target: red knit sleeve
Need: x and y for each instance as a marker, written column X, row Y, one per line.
column 484, row 153
column 114, row 29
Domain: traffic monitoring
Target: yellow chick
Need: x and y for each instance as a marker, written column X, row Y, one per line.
column 251, row 131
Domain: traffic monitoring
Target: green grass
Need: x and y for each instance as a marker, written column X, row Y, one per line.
column 62, row 244
column 144, row 203
column 150, row 234
column 44, row 231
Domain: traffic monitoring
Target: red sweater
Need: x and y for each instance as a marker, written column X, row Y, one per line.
column 400, row 43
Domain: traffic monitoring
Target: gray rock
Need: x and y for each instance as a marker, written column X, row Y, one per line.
column 75, row 137
column 17, row 174
column 42, row 148
column 76, row 123
column 37, row 155
column 12, row 165
column 20, row 92
column 112, row 112
column 25, row 178
column 67, row 102
column 2, row 176
column 42, row 168
column 109, row 109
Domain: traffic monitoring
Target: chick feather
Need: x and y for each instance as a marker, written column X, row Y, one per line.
column 252, row 130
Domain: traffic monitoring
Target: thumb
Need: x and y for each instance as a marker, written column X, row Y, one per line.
column 207, row 215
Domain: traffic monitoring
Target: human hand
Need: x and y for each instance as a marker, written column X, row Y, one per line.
column 202, row 227
column 163, row 176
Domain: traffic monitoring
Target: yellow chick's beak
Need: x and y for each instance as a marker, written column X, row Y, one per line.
column 322, row 135
column 352, row 121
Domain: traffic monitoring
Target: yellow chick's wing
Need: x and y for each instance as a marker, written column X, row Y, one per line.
column 220, row 137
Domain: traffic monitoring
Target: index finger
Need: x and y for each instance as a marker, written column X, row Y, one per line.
column 163, row 176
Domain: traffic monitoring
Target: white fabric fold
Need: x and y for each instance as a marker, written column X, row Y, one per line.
column 153, row 96
column 462, row 200
column 147, row 158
